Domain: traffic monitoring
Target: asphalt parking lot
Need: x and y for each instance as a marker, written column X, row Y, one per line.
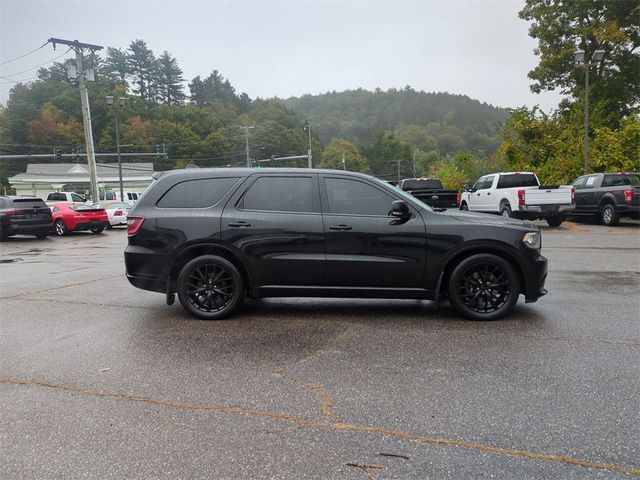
column 101, row 380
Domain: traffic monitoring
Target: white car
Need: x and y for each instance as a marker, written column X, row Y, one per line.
column 117, row 213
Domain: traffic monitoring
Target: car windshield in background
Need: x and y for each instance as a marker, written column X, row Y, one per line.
column 517, row 180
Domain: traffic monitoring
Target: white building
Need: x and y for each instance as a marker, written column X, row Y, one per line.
column 41, row 178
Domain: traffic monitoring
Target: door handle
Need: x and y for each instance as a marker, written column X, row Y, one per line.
column 489, row 193
column 340, row 227
column 478, row 194
column 240, row 224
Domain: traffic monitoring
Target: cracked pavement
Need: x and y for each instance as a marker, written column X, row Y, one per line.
column 101, row 380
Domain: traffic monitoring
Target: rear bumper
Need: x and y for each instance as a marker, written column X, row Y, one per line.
column 146, row 269
column 148, row 283
column 89, row 225
column 546, row 210
column 17, row 229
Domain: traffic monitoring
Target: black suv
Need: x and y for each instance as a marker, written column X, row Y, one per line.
column 216, row 235
column 24, row 215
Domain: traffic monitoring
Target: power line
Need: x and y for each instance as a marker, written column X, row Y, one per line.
column 24, row 55
column 6, row 77
column 18, row 81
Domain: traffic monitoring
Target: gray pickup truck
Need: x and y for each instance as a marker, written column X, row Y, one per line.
column 608, row 196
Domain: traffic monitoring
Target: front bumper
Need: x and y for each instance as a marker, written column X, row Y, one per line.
column 537, row 275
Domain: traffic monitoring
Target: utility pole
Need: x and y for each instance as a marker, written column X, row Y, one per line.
column 344, row 165
column 246, row 139
column 309, row 159
column 86, row 111
column 399, row 161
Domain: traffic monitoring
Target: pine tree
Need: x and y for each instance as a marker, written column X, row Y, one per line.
column 116, row 65
column 143, row 66
column 170, row 80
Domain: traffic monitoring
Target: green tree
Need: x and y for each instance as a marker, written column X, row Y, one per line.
column 562, row 27
column 116, row 65
column 143, row 67
column 170, row 80
column 333, row 154
column 383, row 153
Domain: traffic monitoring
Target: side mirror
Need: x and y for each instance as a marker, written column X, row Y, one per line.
column 400, row 209
column 465, row 187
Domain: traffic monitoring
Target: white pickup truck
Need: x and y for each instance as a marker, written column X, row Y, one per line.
column 519, row 195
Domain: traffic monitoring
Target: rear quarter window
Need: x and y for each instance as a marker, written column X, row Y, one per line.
column 200, row 193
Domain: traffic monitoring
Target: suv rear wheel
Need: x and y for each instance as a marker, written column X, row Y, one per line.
column 483, row 287
column 210, row 287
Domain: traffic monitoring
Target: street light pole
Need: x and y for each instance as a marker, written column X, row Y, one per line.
column 581, row 62
column 309, row 159
column 116, row 104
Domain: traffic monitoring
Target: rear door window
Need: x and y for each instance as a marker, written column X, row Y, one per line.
column 77, row 198
column 280, row 194
column 200, row 193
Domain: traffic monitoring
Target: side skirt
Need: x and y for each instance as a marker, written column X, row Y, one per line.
column 341, row 292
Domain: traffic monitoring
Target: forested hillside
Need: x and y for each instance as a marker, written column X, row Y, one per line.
column 430, row 121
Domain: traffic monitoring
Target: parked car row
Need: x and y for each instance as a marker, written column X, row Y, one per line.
column 62, row 213
column 602, row 196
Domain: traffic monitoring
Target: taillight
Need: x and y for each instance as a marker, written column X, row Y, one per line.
column 573, row 195
column 11, row 212
column 457, row 198
column 117, row 213
column 628, row 196
column 521, row 196
column 134, row 224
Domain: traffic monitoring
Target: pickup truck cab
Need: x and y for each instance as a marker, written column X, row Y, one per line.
column 608, row 196
column 67, row 197
column 430, row 191
column 519, row 195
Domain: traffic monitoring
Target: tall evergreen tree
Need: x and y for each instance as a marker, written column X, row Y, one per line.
column 143, row 68
column 170, row 80
column 116, row 65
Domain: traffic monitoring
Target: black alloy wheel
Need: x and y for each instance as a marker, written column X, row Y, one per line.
column 210, row 287
column 97, row 230
column 60, row 228
column 483, row 287
column 464, row 206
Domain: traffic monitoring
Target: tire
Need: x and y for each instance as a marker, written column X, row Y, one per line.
column 60, row 228
column 471, row 282
column 505, row 210
column 210, row 287
column 464, row 206
column 608, row 215
column 555, row 221
column 42, row 235
column 97, row 230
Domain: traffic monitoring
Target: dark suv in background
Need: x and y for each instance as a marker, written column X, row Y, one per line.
column 24, row 215
column 217, row 235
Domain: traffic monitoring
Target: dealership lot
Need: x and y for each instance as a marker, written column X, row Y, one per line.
column 99, row 379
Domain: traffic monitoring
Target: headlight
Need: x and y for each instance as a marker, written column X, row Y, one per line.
column 532, row 240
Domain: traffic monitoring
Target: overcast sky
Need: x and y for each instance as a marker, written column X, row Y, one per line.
column 267, row 48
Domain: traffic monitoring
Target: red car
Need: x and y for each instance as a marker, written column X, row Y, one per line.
column 72, row 217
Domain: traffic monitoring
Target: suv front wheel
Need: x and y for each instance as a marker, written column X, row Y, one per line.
column 483, row 287
column 210, row 287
